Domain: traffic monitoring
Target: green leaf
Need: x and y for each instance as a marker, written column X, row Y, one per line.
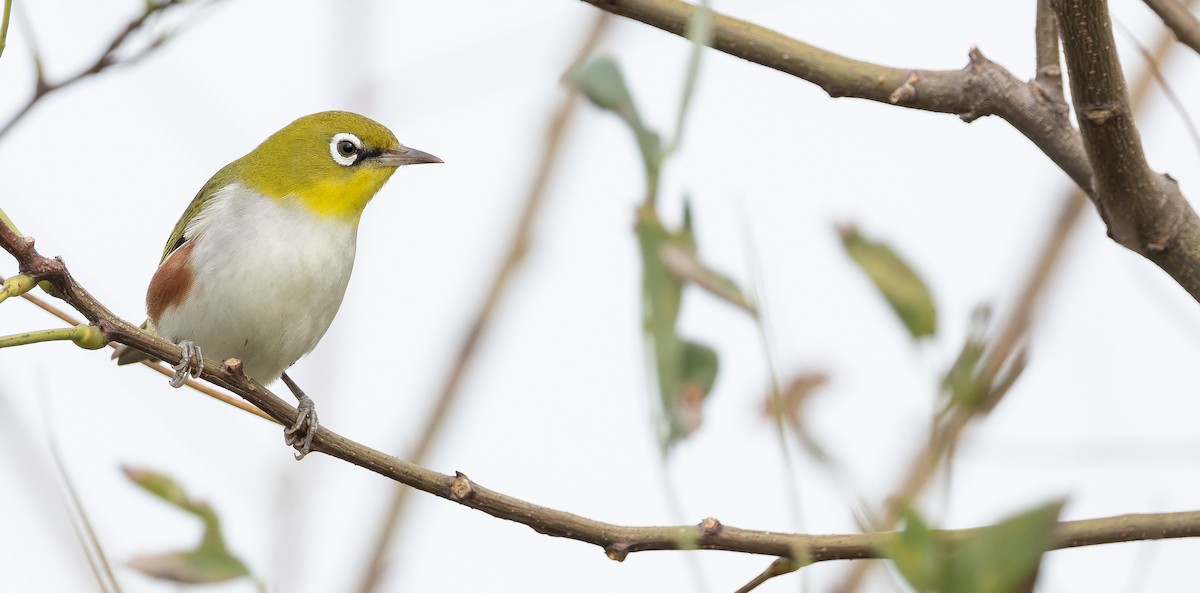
column 698, row 374
column 1004, row 558
column 160, row 485
column 962, row 381
column 686, row 370
column 601, row 81
column 918, row 554
column 196, row 567
column 1001, row 558
column 210, row 561
column 904, row 290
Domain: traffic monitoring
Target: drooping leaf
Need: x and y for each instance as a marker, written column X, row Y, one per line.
column 686, row 370
column 1000, row 558
column 686, row 266
column 899, row 284
column 195, row 567
column 601, row 81
column 962, row 381
column 699, row 373
column 210, row 561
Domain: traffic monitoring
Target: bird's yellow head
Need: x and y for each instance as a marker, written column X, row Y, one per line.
column 332, row 162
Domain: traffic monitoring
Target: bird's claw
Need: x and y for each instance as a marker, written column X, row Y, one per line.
column 300, row 434
column 190, row 363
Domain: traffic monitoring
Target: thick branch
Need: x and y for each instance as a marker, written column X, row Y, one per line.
column 1179, row 19
column 1144, row 211
column 981, row 88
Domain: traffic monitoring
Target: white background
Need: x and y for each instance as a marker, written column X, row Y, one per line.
column 556, row 409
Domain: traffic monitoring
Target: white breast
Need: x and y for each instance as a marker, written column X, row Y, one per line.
column 269, row 277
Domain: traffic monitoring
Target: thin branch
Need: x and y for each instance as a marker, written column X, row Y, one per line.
column 105, row 60
column 202, row 387
column 1152, row 63
column 1049, row 72
column 980, row 89
column 1148, row 215
column 616, row 540
column 1179, row 19
column 1014, row 333
column 555, row 132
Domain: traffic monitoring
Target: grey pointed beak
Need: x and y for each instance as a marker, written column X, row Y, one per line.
column 403, row 155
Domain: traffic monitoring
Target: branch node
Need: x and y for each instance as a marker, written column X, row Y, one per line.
column 1099, row 114
column 461, row 488
column 617, row 551
column 233, row 368
column 710, row 526
column 907, row 91
column 1052, row 70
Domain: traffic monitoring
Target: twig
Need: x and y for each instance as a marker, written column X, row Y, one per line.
column 84, row 532
column 555, row 132
column 1176, row 16
column 202, row 387
column 980, row 89
column 1049, row 72
column 107, row 59
column 1015, row 330
column 617, row 541
column 1152, row 67
column 1149, row 216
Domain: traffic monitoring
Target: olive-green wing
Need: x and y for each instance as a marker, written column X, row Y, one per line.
column 202, row 197
column 125, row 354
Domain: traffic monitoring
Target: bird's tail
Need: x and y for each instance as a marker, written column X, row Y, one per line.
column 129, row 355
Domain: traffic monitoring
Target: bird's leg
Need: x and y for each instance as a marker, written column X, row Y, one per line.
column 292, row 435
column 190, row 363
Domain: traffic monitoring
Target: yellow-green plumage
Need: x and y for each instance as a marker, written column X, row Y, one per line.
column 295, row 162
column 270, row 242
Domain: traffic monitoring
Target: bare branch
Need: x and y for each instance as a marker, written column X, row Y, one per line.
column 616, row 540
column 555, row 132
column 1049, row 72
column 1144, row 211
column 105, row 60
column 980, row 89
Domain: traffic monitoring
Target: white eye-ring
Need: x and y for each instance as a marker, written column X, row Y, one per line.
column 345, row 148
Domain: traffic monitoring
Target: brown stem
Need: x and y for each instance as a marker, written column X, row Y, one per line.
column 1176, row 16
column 1049, row 72
column 1144, row 211
column 555, row 133
column 105, row 60
column 980, row 89
column 616, row 540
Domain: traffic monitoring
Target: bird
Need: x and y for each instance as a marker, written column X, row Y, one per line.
column 258, row 263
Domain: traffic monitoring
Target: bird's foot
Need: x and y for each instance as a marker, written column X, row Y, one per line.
column 300, row 434
column 190, row 363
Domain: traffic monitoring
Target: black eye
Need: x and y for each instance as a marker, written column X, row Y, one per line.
column 346, row 148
